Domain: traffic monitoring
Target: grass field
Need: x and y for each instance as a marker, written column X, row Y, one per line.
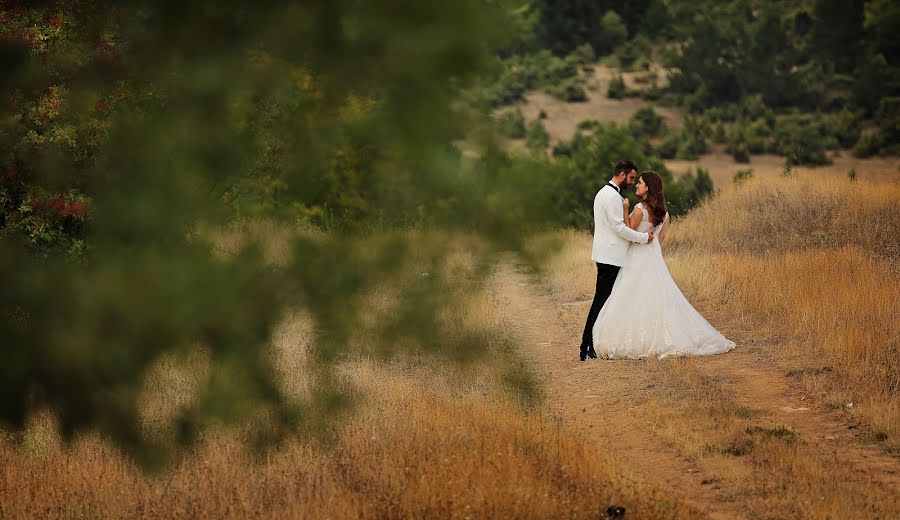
column 802, row 420
column 801, row 272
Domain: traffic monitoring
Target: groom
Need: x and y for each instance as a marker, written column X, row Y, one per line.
column 611, row 240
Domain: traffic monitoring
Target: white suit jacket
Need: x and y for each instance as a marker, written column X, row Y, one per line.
column 611, row 236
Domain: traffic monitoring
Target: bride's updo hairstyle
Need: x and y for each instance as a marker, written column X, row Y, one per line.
column 654, row 200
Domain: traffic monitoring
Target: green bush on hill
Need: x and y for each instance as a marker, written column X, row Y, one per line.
column 617, row 89
column 537, row 138
column 739, row 59
column 646, row 123
column 587, row 163
column 568, row 90
column 845, row 126
column 512, row 124
column 692, row 138
column 802, row 139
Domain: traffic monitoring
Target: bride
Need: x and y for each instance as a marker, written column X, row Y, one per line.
column 646, row 314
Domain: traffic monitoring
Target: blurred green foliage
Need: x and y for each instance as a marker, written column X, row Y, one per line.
column 132, row 132
column 536, row 137
column 512, row 124
column 616, row 88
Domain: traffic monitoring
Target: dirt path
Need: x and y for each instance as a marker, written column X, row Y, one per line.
column 604, row 399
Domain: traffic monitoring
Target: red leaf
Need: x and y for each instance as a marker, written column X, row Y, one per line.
column 75, row 209
column 57, row 204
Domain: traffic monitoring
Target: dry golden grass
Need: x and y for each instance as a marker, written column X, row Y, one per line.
column 417, row 447
column 425, row 438
column 802, row 273
column 813, row 264
column 817, row 307
column 771, row 216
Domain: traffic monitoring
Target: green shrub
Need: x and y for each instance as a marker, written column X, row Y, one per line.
column 584, row 54
column 688, row 150
column 521, row 73
column 690, row 190
column 612, row 32
column 740, row 152
column 845, row 126
column 696, row 101
column 718, row 133
column 754, row 108
column 668, row 147
column 742, row 175
column 617, row 89
column 727, row 112
column 569, row 90
column 888, row 118
column 551, row 69
column 508, row 88
column 651, row 94
column 588, row 124
column 512, row 124
column 590, row 166
column 645, row 122
column 802, row 139
column 633, row 51
column 569, row 148
column 745, row 138
column 692, row 139
column 537, row 138
column 759, row 136
column 868, row 144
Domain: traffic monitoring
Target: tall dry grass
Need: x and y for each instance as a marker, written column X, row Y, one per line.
column 802, row 272
column 814, row 264
column 425, row 438
column 420, row 446
column 802, row 261
column 780, row 215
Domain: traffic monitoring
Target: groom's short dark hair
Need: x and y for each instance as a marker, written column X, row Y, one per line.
column 624, row 167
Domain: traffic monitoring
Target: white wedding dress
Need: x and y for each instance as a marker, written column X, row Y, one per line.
column 646, row 314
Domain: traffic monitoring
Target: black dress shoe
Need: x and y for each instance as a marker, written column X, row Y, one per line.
column 591, row 352
column 584, row 353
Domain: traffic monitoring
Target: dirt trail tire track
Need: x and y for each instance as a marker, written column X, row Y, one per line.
column 598, row 398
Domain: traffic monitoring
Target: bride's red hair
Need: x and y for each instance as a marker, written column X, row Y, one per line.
column 654, row 200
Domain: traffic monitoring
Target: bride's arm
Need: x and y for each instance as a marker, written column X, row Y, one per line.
column 636, row 216
column 665, row 229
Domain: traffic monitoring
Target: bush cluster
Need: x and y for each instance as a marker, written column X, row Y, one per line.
column 537, row 138
column 885, row 138
column 617, row 88
column 583, row 164
column 803, row 139
column 511, row 124
column 687, row 143
column 559, row 76
column 646, row 123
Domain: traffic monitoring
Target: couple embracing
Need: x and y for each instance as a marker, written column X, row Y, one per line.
column 638, row 311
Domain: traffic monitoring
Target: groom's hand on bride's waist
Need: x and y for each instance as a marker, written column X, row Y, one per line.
column 650, row 236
